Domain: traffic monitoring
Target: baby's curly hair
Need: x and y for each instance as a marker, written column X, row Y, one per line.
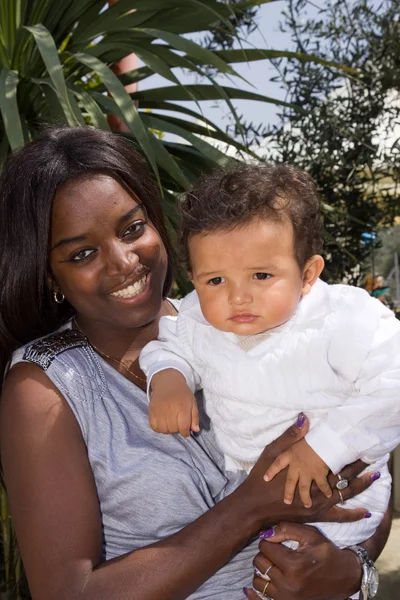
column 226, row 200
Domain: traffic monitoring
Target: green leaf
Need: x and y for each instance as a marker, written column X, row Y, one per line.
column 4, row 58
column 126, row 108
column 157, row 122
column 250, row 3
column 164, row 159
column 88, row 16
column 254, row 54
column 90, row 106
column 155, row 63
column 75, row 107
column 179, row 16
column 9, row 108
column 105, row 25
column 191, row 48
column 48, row 51
column 4, row 148
column 199, row 127
column 203, row 92
column 56, row 114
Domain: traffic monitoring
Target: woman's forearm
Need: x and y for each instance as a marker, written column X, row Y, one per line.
column 175, row 567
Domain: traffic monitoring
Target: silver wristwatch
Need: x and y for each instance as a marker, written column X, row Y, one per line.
column 370, row 575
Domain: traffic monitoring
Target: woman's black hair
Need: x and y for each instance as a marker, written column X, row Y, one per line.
column 28, row 184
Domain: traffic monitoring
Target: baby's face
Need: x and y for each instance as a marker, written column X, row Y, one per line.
column 248, row 280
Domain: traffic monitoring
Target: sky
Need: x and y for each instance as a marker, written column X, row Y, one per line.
column 257, row 73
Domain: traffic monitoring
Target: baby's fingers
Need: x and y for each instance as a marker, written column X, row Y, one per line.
column 280, row 463
column 183, row 422
column 290, row 487
column 324, row 486
column 156, row 423
column 304, row 489
column 195, row 425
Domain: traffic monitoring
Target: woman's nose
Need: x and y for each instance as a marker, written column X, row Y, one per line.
column 121, row 259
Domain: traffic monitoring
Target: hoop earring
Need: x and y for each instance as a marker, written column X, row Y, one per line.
column 58, row 297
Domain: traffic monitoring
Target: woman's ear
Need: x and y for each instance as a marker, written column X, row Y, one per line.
column 312, row 270
column 51, row 284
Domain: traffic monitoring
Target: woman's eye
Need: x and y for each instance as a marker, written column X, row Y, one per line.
column 134, row 229
column 82, row 255
column 262, row 276
column 216, row 280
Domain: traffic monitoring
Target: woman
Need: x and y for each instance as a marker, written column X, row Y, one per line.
column 104, row 507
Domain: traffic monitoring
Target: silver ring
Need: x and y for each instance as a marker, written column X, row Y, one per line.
column 342, row 484
column 265, row 575
column 341, row 497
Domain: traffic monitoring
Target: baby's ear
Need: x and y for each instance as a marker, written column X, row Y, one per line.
column 312, row 270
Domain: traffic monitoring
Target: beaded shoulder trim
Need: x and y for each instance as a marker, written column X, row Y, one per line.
column 44, row 351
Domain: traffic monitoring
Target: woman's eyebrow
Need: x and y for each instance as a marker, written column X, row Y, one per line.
column 83, row 237
column 131, row 213
column 71, row 240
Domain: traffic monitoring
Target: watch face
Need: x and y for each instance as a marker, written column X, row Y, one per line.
column 373, row 582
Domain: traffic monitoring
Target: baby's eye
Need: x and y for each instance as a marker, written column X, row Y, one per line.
column 262, row 276
column 216, row 280
column 82, row 255
column 134, row 229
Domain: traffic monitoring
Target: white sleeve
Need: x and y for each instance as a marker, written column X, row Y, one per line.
column 367, row 425
column 167, row 353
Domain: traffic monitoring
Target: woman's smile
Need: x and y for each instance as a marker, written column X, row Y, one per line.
column 132, row 289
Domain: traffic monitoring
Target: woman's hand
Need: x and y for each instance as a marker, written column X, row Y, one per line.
column 316, row 570
column 262, row 501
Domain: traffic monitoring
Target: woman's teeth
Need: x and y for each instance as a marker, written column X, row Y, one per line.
column 131, row 290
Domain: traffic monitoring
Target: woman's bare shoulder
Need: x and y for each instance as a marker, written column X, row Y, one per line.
column 24, row 380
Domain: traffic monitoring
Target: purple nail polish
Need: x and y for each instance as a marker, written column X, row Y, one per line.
column 375, row 476
column 245, row 592
column 267, row 533
column 300, row 420
column 367, row 515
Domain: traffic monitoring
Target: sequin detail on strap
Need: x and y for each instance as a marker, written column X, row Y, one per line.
column 44, row 351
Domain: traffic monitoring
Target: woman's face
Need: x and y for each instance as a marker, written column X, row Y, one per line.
column 105, row 257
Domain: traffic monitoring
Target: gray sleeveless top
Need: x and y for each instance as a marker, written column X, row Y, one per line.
column 149, row 485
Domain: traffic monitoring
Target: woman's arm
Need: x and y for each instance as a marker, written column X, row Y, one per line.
column 318, row 569
column 56, row 512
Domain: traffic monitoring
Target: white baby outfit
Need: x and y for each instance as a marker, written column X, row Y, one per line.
column 337, row 359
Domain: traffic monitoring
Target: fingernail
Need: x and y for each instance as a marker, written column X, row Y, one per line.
column 367, row 515
column 245, row 592
column 267, row 533
column 375, row 476
column 300, row 420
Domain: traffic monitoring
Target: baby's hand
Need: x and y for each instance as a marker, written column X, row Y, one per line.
column 305, row 466
column 173, row 408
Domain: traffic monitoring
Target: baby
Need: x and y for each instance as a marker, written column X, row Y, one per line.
column 265, row 338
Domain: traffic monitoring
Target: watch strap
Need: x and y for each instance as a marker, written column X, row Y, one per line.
column 366, row 564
